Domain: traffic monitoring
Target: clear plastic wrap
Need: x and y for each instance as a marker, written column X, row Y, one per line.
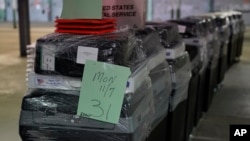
column 194, row 35
column 170, row 39
column 234, row 21
column 162, row 88
column 216, row 44
column 173, row 48
column 194, row 55
column 50, row 102
column 55, row 111
column 50, row 106
column 172, row 42
column 214, row 52
column 54, row 105
column 168, row 33
column 223, row 24
column 209, row 30
column 159, row 72
column 181, row 75
column 202, row 45
column 213, row 42
column 137, row 83
column 242, row 33
column 64, row 54
column 242, row 24
column 150, row 42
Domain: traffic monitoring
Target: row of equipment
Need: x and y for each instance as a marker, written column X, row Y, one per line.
column 177, row 66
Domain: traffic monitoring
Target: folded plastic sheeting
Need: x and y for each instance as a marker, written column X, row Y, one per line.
column 50, row 106
column 181, row 75
column 65, row 54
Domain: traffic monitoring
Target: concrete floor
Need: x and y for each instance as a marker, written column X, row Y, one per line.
column 230, row 106
column 12, row 76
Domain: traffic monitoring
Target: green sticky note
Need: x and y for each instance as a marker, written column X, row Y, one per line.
column 102, row 91
column 82, row 9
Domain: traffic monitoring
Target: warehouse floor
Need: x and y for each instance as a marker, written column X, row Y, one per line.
column 230, row 106
column 12, row 75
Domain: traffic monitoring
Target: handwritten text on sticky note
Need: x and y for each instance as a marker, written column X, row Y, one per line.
column 102, row 91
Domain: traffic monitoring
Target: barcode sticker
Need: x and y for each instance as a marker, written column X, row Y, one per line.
column 182, row 29
column 86, row 53
column 48, row 60
column 48, row 63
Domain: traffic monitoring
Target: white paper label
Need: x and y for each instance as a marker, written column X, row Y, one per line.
column 53, row 82
column 75, row 84
column 182, row 29
column 48, row 61
column 86, row 53
column 47, row 82
column 175, row 52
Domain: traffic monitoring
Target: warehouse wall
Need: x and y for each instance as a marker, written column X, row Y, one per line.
column 241, row 5
column 227, row 4
column 57, row 8
column 39, row 10
column 161, row 8
column 194, row 7
column 2, row 10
